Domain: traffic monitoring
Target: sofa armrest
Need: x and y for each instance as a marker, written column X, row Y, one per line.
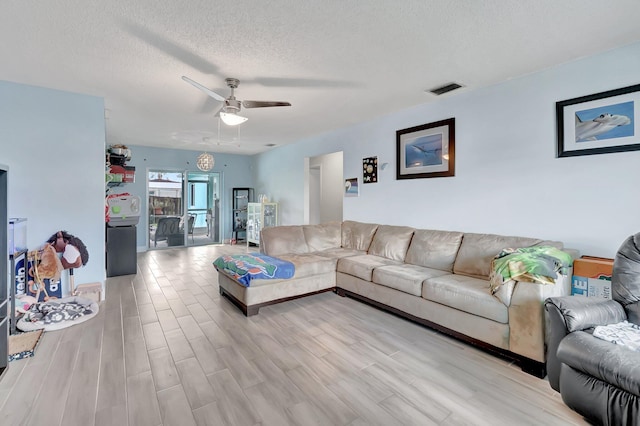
column 581, row 313
column 568, row 314
column 526, row 316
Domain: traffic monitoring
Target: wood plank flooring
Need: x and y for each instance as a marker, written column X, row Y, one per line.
column 166, row 349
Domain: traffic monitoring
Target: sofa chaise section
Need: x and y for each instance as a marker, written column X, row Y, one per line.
column 314, row 274
column 315, row 271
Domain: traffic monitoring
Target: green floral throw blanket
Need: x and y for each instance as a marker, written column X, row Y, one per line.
column 539, row 264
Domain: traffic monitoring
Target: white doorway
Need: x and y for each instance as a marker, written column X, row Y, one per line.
column 324, row 188
column 315, row 190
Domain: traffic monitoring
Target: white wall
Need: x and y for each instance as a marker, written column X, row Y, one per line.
column 507, row 181
column 286, row 184
column 53, row 143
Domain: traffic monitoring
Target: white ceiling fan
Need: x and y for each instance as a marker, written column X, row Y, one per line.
column 231, row 106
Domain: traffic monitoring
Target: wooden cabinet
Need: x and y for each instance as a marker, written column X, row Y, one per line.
column 259, row 216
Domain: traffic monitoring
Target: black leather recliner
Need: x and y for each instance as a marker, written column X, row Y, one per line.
column 598, row 379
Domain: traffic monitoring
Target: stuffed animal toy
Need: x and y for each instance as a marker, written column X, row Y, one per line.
column 46, row 265
column 74, row 252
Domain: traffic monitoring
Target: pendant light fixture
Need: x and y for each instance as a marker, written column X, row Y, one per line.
column 205, row 161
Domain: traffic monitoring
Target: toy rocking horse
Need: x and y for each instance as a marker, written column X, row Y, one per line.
column 45, row 265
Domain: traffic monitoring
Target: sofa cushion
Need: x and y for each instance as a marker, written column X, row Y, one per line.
column 406, row 278
column 434, row 249
column 309, row 264
column 324, row 236
column 278, row 240
column 478, row 250
column 362, row 266
column 339, row 252
column 357, row 235
column 391, row 242
column 466, row 294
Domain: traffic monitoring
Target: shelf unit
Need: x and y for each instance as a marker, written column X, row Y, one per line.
column 4, row 293
column 117, row 172
column 241, row 197
column 14, row 258
column 259, row 216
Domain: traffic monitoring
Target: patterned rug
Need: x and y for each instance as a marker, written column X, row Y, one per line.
column 23, row 345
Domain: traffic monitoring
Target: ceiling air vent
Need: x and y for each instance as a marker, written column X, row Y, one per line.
column 446, row 88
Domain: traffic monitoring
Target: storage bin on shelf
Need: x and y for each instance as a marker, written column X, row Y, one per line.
column 17, row 234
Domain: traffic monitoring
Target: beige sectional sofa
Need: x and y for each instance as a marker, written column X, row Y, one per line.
column 437, row 278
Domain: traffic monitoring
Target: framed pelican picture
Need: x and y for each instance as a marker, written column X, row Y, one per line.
column 426, row 151
column 600, row 123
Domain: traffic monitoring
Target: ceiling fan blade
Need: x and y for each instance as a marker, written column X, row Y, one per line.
column 263, row 104
column 209, row 92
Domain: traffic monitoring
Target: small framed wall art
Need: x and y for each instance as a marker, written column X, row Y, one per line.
column 351, row 187
column 426, row 151
column 370, row 170
column 600, row 123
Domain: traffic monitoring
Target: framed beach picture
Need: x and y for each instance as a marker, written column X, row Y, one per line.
column 426, row 151
column 351, row 187
column 600, row 123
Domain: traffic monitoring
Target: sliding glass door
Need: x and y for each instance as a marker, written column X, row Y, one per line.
column 203, row 208
column 184, row 208
column 166, row 208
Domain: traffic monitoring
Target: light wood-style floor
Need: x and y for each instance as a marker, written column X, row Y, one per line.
column 166, row 349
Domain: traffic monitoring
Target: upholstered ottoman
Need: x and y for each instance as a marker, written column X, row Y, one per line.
column 311, row 274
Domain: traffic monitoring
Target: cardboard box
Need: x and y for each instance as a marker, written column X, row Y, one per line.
column 592, row 277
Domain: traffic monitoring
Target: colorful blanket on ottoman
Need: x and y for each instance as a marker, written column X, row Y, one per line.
column 250, row 266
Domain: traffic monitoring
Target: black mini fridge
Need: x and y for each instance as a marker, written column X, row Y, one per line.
column 121, row 251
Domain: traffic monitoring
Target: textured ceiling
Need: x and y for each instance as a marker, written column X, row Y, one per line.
column 337, row 62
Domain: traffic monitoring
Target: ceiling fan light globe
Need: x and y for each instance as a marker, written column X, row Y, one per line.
column 232, row 119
